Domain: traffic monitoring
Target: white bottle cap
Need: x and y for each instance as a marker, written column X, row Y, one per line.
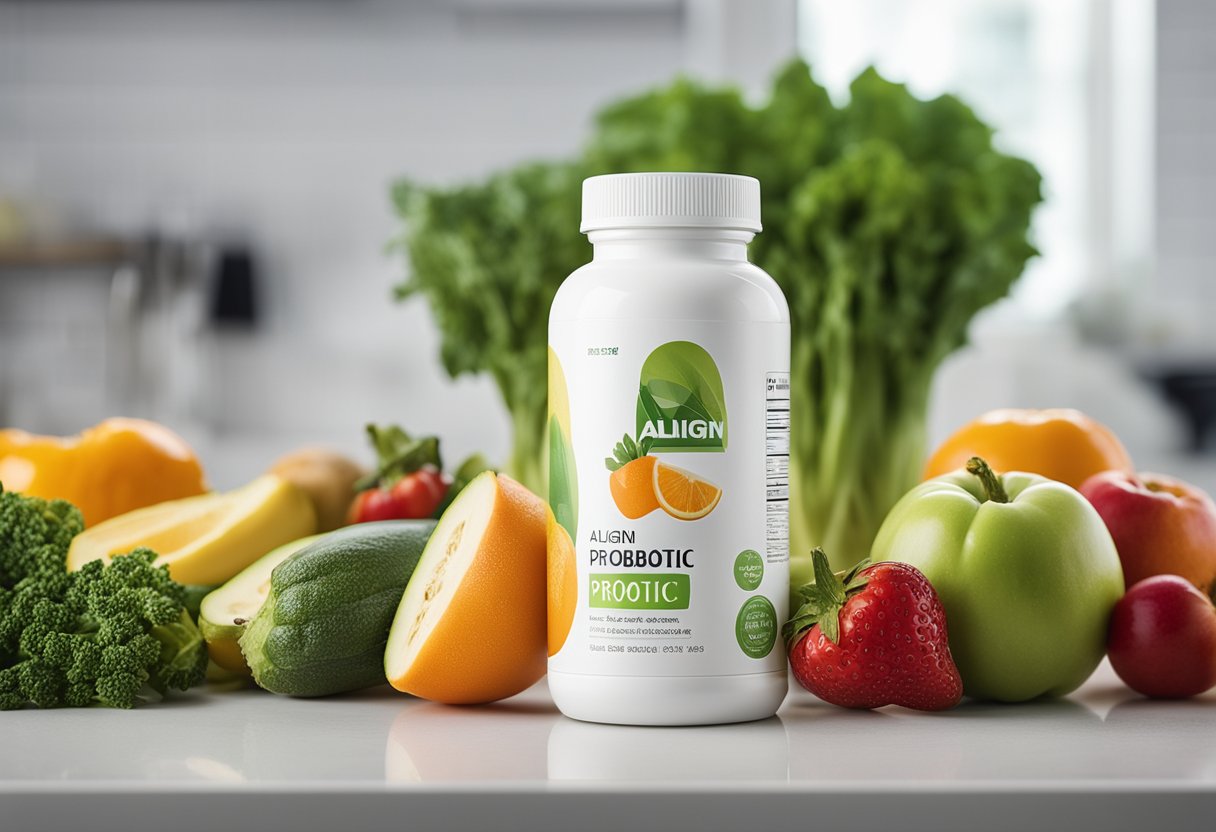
column 670, row 200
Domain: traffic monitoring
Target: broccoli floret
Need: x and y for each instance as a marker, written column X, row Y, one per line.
column 34, row 537
column 180, row 664
column 109, row 634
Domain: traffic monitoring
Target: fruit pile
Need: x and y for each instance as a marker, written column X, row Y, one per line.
column 313, row 579
column 1031, row 551
column 1015, row 583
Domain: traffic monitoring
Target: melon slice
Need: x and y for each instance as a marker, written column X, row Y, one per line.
column 207, row 539
column 225, row 612
column 471, row 626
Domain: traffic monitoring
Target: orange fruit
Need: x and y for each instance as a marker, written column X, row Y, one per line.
column 632, row 487
column 115, row 467
column 563, row 584
column 1063, row 445
column 683, row 494
column 471, row 626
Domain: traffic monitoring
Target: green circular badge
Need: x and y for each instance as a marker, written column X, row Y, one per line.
column 749, row 569
column 756, row 627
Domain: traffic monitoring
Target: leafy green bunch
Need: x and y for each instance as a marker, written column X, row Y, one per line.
column 890, row 222
column 109, row 635
column 488, row 258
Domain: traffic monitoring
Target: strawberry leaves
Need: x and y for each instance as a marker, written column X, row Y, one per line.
column 823, row 599
column 628, row 450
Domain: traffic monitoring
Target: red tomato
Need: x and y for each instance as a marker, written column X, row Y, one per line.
column 415, row 496
column 373, row 504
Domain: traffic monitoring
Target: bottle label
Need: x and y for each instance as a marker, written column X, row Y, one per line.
column 669, row 490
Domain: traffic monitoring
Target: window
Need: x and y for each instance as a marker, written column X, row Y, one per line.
column 1066, row 83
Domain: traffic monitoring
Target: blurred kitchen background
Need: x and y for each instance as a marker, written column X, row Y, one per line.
column 194, row 197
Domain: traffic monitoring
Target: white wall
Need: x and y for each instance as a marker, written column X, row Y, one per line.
column 1186, row 167
column 283, row 123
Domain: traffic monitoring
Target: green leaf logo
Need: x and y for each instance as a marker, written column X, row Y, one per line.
column 681, row 406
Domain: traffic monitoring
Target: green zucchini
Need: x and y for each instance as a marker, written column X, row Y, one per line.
column 224, row 613
column 323, row 627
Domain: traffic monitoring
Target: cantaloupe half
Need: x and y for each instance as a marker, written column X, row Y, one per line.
column 471, row 626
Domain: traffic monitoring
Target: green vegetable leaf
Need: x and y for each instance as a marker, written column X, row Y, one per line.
column 398, row 454
column 488, row 258
column 890, row 221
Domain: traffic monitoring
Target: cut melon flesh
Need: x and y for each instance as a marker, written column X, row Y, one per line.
column 206, row 539
column 453, row 548
column 224, row 612
column 471, row 624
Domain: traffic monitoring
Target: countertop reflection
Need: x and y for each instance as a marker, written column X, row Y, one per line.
column 1102, row 736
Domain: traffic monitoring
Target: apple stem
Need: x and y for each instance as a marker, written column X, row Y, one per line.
column 993, row 489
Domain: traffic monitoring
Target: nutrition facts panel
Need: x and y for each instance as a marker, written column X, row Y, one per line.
column 777, row 465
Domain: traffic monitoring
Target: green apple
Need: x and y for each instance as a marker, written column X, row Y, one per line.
column 1026, row 570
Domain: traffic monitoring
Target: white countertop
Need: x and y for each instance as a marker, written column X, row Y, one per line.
column 213, row 759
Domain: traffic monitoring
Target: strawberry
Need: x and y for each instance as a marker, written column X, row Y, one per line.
column 875, row 636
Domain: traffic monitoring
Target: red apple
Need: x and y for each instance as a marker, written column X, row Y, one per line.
column 1162, row 640
column 1161, row 526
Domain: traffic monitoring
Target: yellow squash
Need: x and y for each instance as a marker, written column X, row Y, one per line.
column 118, row 466
column 205, row 539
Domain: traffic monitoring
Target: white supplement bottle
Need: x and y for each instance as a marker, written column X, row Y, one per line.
column 669, row 357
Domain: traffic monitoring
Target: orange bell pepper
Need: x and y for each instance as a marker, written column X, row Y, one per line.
column 1060, row 444
column 118, row 466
